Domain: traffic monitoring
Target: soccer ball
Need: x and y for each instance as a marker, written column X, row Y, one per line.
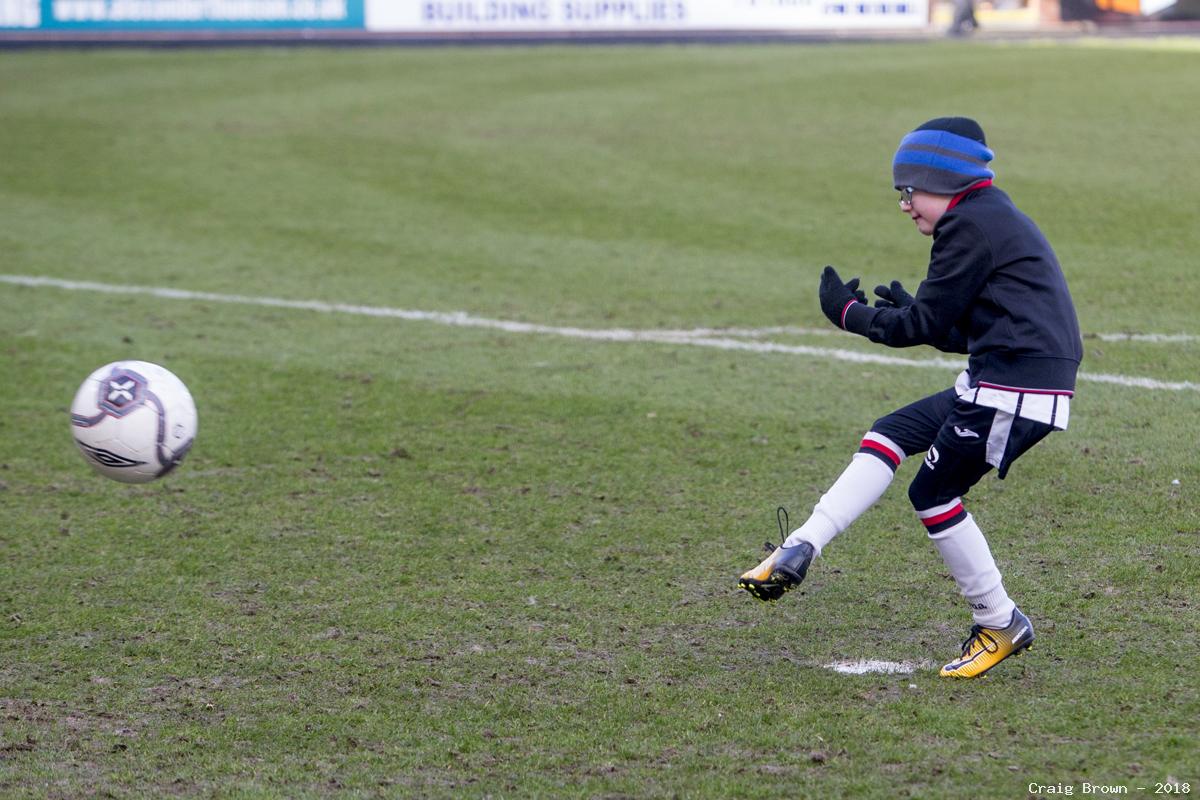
column 133, row 421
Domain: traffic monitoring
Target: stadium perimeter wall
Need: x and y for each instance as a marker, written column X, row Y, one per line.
column 83, row 20
column 36, row 23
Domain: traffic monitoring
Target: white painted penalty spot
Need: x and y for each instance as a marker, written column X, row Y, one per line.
column 869, row 666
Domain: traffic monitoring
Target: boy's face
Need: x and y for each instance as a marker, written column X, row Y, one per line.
column 923, row 208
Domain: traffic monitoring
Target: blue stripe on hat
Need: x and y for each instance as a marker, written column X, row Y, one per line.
column 926, row 158
column 945, row 140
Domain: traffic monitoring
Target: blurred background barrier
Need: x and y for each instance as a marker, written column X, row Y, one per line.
column 65, row 16
column 184, row 20
column 472, row 16
column 647, row 15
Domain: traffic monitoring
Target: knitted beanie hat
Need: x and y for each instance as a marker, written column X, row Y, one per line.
column 944, row 156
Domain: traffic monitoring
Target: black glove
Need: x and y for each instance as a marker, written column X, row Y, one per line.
column 835, row 295
column 893, row 296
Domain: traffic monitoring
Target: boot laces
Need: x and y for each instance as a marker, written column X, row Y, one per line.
column 781, row 517
column 981, row 636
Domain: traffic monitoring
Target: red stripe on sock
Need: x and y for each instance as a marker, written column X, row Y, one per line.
column 879, row 448
column 931, row 521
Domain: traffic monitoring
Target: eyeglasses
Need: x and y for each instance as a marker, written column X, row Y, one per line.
column 906, row 196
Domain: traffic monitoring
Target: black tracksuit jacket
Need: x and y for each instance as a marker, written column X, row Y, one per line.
column 994, row 290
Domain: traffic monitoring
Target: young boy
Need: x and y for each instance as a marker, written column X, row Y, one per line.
column 994, row 290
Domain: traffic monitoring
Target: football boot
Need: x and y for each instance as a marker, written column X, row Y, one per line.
column 782, row 570
column 987, row 647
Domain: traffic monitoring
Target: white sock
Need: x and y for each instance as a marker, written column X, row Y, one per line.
column 856, row 489
column 966, row 553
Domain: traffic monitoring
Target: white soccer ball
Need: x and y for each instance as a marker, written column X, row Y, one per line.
column 133, row 421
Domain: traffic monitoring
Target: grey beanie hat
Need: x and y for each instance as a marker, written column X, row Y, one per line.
column 944, row 156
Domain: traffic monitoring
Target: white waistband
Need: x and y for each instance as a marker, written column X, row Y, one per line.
column 1050, row 408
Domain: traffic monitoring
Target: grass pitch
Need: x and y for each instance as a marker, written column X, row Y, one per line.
column 411, row 559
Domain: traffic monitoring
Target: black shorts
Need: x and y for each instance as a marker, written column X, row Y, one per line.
column 961, row 442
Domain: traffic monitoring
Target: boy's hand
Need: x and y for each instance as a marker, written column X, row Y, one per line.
column 837, row 296
column 893, row 296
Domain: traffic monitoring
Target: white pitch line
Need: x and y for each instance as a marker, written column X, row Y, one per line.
column 1156, row 338
column 869, row 665
column 757, row 333
column 694, row 338
column 792, row 330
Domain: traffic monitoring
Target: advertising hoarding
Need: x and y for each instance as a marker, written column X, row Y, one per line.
column 639, row 15
column 182, row 15
column 448, row 17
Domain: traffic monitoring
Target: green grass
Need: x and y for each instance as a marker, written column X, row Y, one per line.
column 413, row 560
